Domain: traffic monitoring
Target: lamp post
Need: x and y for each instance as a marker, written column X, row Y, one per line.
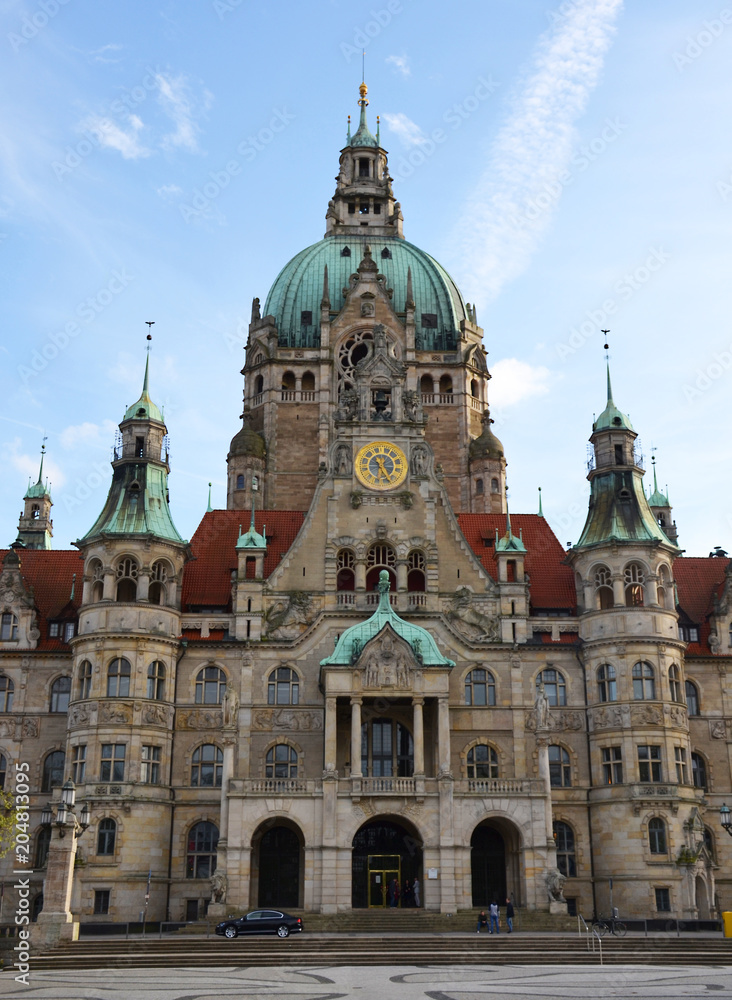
column 55, row 921
column 725, row 818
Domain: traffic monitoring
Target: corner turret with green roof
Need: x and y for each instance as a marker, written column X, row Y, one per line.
column 353, row 640
column 35, row 527
column 137, row 503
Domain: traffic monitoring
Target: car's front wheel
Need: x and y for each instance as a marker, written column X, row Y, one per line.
column 283, row 931
column 230, row 932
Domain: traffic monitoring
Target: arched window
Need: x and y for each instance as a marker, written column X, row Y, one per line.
column 345, row 564
column 426, row 385
column 288, row 381
column 604, row 597
column 118, row 678
column 308, row 382
column 85, row 679
column 479, row 487
column 60, row 694
column 259, row 385
column 416, row 572
column 240, row 482
column 555, row 686
column 709, row 843
column 283, row 687
column 495, row 486
column 43, row 841
column 644, row 682
column 387, row 749
column 674, row 683
column 210, row 686
column 698, row 771
column 203, row 839
column 8, row 627
column 560, row 775
column 6, row 693
column 96, row 571
column 480, row 687
column 446, row 385
column 607, row 684
column 634, row 578
column 664, row 581
column 380, row 556
column 126, row 576
column 158, row 583
column 3, row 770
column 106, row 836
column 474, row 391
column 156, row 680
column 657, row 836
column 53, row 770
column 281, row 762
column 692, row 698
column 482, row 762
column 207, row 766
column 564, row 839
column 35, row 511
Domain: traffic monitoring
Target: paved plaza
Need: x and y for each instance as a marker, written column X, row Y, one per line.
column 381, row 982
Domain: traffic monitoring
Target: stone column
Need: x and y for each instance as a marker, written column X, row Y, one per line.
column 109, row 585
column 443, row 738
column 417, row 706
column 619, row 590
column 55, row 921
column 356, row 763
column 218, row 907
column 143, row 584
column 401, row 575
column 329, row 759
column 360, row 574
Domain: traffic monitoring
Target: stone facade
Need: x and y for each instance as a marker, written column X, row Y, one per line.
column 386, row 676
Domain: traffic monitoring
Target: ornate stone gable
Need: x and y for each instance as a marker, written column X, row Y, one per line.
column 387, row 661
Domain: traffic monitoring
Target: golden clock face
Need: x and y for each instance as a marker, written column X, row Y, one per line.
column 381, row 465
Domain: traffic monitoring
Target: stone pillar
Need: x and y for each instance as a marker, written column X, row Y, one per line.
column 417, row 705
column 443, row 738
column 618, row 590
column 55, row 921
column 143, row 584
column 109, row 585
column 401, row 575
column 329, row 762
column 542, row 744
column 360, row 574
column 356, row 763
column 219, row 908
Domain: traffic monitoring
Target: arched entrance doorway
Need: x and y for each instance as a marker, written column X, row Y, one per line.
column 277, row 853
column 384, row 851
column 494, row 862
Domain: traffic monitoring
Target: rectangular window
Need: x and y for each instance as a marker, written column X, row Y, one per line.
column 351, row 207
column 363, row 166
column 69, row 631
column 377, row 209
column 429, row 321
column 682, row 772
column 612, row 765
column 53, row 630
column 663, row 900
column 8, row 627
column 78, row 764
column 306, row 317
column 364, row 208
column 150, row 767
column 101, row 901
column 649, row 763
column 113, row 762
column 689, row 633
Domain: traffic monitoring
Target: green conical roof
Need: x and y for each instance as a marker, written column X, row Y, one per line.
column 611, row 417
column 353, row 640
column 39, row 489
column 144, row 408
column 362, row 136
column 657, row 498
column 137, row 504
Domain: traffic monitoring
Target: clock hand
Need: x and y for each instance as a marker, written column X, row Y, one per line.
column 380, row 463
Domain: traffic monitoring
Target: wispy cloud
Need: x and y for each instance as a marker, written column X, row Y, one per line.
column 110, row 135
column 408, row 131
column 493, row 243
column 515, row 381
column 169, row 191
column 400, row 63
column 87, row 435
column 180, row 105
column 106, row 53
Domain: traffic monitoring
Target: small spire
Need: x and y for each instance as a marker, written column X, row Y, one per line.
column 609, row 385
column 73, row 587
column 541, row 512
column 378, row 130
column 40, row 470
column 325, row 301
column 348, row 134
column 410, row 294
column 209, row 508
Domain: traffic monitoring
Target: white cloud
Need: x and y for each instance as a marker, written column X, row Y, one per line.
column 408, row 131
column 88, row 435
column 500, row 227
column 28, row 465
column 105, row 54
column 514, row 381
column 112, row 136
column 400, row 63
column 178, row 103
column 169, row 191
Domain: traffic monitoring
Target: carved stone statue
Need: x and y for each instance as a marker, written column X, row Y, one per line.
column 419, row 462
column 469, row 620
column 554, row 882
column 410, row 402
column 219, row 885
column 347, row 405
column 541, row 707
column 230, row 706
column 256, row 314
column 343, row 460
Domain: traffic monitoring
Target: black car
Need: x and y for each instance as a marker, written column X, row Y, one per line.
column 260, row 922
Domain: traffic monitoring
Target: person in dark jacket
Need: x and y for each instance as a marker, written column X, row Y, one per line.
column 509, row 915
column 482, row 921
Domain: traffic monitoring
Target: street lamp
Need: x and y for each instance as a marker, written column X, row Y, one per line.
column 65, row 815
column 725, row 818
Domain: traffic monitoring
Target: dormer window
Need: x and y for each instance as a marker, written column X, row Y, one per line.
column 617, row 421
column 386, row 252
column 346, row 251
column 8, row 627
column 429, row 321
column 306, row 318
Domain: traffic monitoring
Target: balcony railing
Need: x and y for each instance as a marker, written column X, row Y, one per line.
column 441, row 398
column 373, row 599
column 496, row 786
column 258, row 399
column 277, row 786
column 292, row 396
column 388, row 786
column 477, row 404
column 346, row 600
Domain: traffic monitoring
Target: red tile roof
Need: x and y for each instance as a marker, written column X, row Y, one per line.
column 552, row 583
column 50, row 573
column 698, row 581
column 207, row 579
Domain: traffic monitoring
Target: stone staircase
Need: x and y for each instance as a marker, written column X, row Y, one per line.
column 392, row 947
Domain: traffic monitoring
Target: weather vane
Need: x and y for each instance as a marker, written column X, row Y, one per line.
column 149, row 323
column 606, row 345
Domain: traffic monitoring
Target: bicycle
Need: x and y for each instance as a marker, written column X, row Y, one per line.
column 604, row 924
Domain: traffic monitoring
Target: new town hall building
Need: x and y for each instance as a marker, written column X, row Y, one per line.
column 365, row 668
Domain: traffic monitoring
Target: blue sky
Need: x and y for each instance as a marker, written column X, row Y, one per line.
column 569, row 163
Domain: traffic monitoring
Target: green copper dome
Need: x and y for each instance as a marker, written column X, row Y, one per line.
column 247, row 442
column 295, row 297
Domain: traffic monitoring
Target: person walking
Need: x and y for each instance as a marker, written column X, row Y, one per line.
column 482, row 921
column 415, row 892
column 391, row 893
column 407, row 894
column 494, row 917
column 509, row 915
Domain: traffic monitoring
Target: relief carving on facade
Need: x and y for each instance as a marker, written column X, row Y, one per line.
column 718, row 729
column 610, row 717
column 676, row 714
column 199, row 718
column 288, row 619
column 155, row 715
column 113, row 711
column 388, row 663
column 555, row 721
column 31, row 727
column 646, row 715
column 83, row 714
column 7, row 729
column 466, row 616
column 292, row 720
